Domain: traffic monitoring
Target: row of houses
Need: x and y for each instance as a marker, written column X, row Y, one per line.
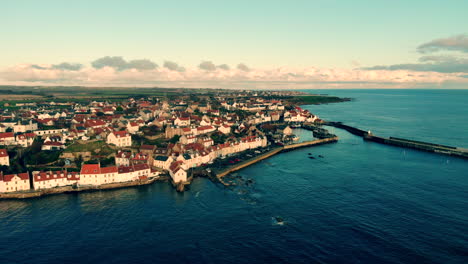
column 90, row 175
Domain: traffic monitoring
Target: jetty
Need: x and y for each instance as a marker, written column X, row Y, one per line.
column 401, row 142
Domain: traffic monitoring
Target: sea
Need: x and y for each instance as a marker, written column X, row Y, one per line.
column 348, row 202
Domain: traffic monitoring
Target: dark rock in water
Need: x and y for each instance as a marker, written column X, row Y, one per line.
column 311, row 157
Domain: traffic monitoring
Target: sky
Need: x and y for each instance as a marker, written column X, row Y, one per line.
column 235, row 44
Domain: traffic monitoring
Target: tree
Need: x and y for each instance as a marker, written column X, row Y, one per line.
column 174, row 139
column 78, row 161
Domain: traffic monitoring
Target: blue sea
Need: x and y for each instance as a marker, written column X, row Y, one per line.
column 354, row 202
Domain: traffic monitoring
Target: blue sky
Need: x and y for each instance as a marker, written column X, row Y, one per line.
column 261, row 34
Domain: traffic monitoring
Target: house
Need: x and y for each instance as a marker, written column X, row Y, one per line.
column 133, row 127
column 123, row 158
column 287, row 131
column 52, row 179
column 14, row 182
column 182, row 121
column 178, row 174
column 4, row 158
column 149, row 149
column 140, row 158
column 52, row 146
column 134, row 172
column 25, row 140
column 119, row 138
column 93, row 174
column 225, row 129
column 163, row 162
column 7, row 138
column 187, row 139
column 24, row 126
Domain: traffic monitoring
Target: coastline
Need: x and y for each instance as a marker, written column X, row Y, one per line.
column 71, row 189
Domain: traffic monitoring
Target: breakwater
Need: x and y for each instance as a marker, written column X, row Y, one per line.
column 405, row 143
column 310, row 143
column 270, row 153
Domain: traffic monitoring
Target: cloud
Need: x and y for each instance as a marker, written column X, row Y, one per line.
column 243, row 67
column 173, row 66
column 431, row 70
column 119, row 63
column 68, row 66
column 35, row 66
column 207, row 66
column 443, row 64
column 455, row 43
column 224, row 67
column 454, row 63
column 141, row 64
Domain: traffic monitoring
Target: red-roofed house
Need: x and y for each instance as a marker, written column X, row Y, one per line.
column 120, row 139
column 93, row 174
column 52, row 179
column 122, row 158
column 14, row 182
column 178, row 174
column 7, row 138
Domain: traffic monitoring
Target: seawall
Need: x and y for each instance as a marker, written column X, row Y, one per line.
column 310, row 143
column 249, row 162
column 71, row 189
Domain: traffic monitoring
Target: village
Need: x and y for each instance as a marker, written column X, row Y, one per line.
column 47, row 145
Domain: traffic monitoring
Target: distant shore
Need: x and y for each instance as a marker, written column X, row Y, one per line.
column 316, row 99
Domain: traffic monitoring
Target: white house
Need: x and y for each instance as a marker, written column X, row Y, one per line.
column 93, row 174
column 225, row 129
column 178, row 174
column 14, row 182
column 182, row 121
column 52, row 179
column 120, row 139
column 163, row 162
column 122, row 158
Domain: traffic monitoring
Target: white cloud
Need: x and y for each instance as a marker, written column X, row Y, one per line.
column 275, row 78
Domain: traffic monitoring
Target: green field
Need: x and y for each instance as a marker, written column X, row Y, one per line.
column 104, row 149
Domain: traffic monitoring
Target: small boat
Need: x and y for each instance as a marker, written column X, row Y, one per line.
column 311, row 157
column 279, row 220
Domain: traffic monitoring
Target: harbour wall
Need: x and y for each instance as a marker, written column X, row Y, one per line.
column 405, row 143
column 310, row 143
column 249, row 162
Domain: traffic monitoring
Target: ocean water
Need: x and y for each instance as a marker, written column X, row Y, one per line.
column 354, row 202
